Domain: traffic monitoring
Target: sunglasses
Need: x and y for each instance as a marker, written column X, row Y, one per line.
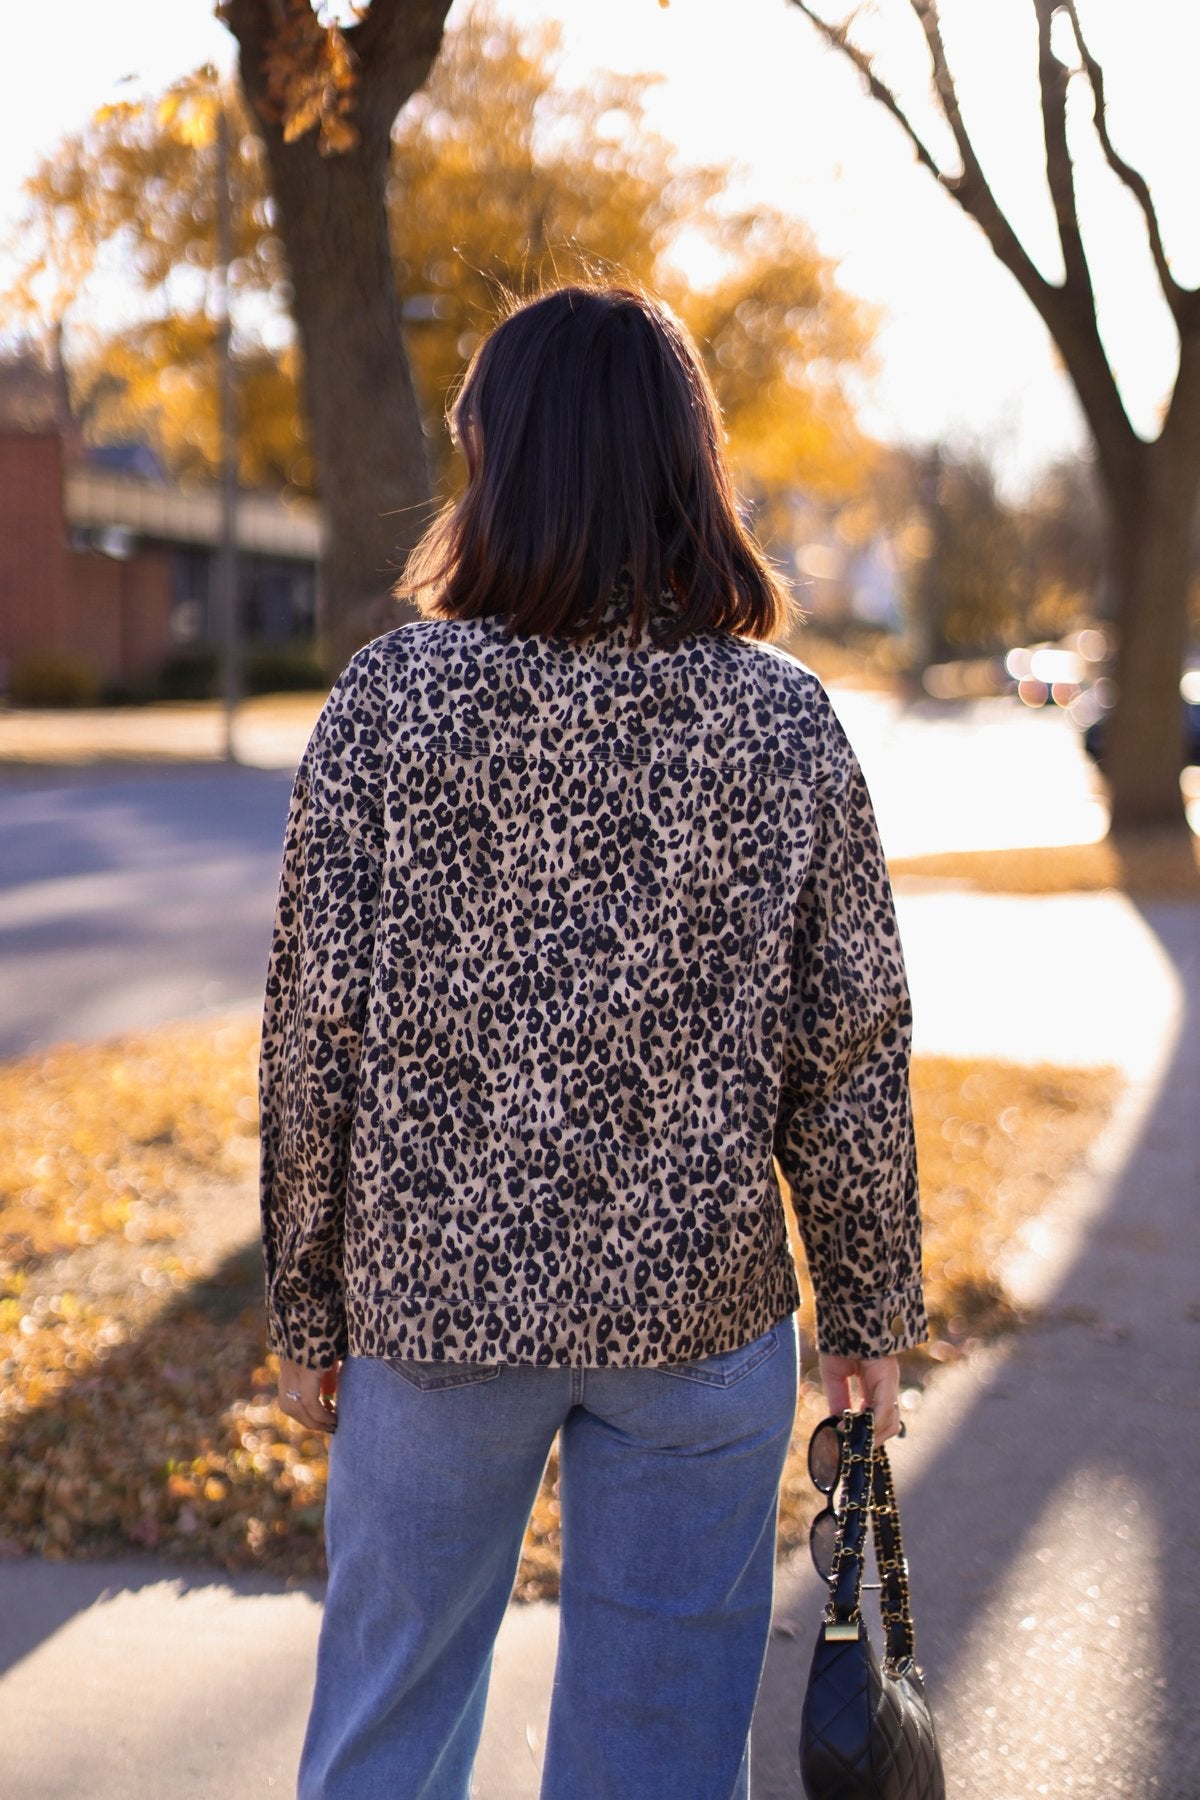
column 827, row 1465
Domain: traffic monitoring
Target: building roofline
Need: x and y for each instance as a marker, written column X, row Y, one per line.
column 96, row 498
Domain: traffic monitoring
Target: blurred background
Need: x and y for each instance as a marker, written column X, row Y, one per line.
column 938, row 263
column 949, row 479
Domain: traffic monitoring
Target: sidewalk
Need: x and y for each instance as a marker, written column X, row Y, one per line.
column 1047, row 1484
column 270, row 733
column 981, row 785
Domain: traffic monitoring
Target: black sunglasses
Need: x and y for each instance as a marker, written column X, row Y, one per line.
column 826, row 1466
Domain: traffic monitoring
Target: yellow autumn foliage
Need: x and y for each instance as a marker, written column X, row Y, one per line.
column 503, row 176
column 136, row 1395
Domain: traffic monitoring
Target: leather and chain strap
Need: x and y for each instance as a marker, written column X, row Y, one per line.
column 846, row 1566
column 867, row 1489
column 895, row 1603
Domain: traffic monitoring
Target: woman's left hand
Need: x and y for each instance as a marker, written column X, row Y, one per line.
column 309, row 1395
column 878, row 1379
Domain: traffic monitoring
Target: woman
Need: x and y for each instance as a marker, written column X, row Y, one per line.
column 583, row 920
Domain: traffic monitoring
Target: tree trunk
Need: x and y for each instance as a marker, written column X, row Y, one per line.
column 1152, row 528
column 362, row 409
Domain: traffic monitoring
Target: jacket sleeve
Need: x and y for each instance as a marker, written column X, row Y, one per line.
column 844, row 1130
column 317, row 986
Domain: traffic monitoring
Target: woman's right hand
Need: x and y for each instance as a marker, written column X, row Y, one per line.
column 878, row 1380
column 308, row 1395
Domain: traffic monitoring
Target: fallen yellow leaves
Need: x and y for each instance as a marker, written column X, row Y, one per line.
column 136, row 1396
column 162, row 1436
column 100, row 1141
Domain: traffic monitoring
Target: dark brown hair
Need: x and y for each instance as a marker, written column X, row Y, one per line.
column 593, row 447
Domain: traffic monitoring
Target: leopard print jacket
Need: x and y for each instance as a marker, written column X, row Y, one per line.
column 573, row 941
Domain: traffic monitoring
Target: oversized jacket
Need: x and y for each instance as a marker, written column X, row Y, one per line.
column 572, row 941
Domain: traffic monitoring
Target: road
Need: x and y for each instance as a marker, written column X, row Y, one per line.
column 134, row 894
column 128, row 897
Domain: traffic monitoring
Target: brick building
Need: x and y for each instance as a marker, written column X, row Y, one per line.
column 105, row 562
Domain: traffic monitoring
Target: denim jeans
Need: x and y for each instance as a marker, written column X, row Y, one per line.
column 669, row 1484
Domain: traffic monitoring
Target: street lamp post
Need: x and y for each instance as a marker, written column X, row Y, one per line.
column 229, row 633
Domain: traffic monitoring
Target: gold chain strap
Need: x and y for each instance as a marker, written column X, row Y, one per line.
column 842, row 1612
column 899, row 1634
column 867, row 1489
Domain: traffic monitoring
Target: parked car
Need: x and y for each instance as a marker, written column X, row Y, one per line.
column 1056, row 674
column 1091, row 714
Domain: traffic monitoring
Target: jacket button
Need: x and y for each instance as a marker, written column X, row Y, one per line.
column 896, row 1324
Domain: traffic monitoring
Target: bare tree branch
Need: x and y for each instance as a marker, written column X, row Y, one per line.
column 971, row 189
column 1067, row 311
column 927, row 17
column 838, row 36
column 1181, row 300
column 1151, row 488
column 1053, row 80
column 392, row 49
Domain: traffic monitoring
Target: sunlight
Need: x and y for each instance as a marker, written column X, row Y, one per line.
column 701, row 262
column 961, row 352
column 1082, row 1593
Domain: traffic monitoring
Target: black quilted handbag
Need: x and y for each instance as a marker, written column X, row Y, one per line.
column 866, row 1731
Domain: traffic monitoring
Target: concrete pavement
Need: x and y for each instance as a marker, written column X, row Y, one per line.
column 1048, row 1485
column 125, row 1681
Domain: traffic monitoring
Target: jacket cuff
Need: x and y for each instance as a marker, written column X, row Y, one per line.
column 318, row 1342
column 874, row 1325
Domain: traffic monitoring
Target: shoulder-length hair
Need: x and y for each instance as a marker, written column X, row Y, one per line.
column 593, row 445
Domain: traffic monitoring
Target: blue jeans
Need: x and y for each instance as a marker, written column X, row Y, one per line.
column 669, row 1484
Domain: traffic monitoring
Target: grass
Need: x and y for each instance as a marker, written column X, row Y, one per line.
column 136, row 1395
column 1152, row 865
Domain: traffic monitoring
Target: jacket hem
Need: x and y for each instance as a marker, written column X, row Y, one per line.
column 635, row 1336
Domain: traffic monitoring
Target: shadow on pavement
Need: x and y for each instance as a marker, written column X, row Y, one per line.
column 37, row 1597
column 1057, row 1665
column 70, row 822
